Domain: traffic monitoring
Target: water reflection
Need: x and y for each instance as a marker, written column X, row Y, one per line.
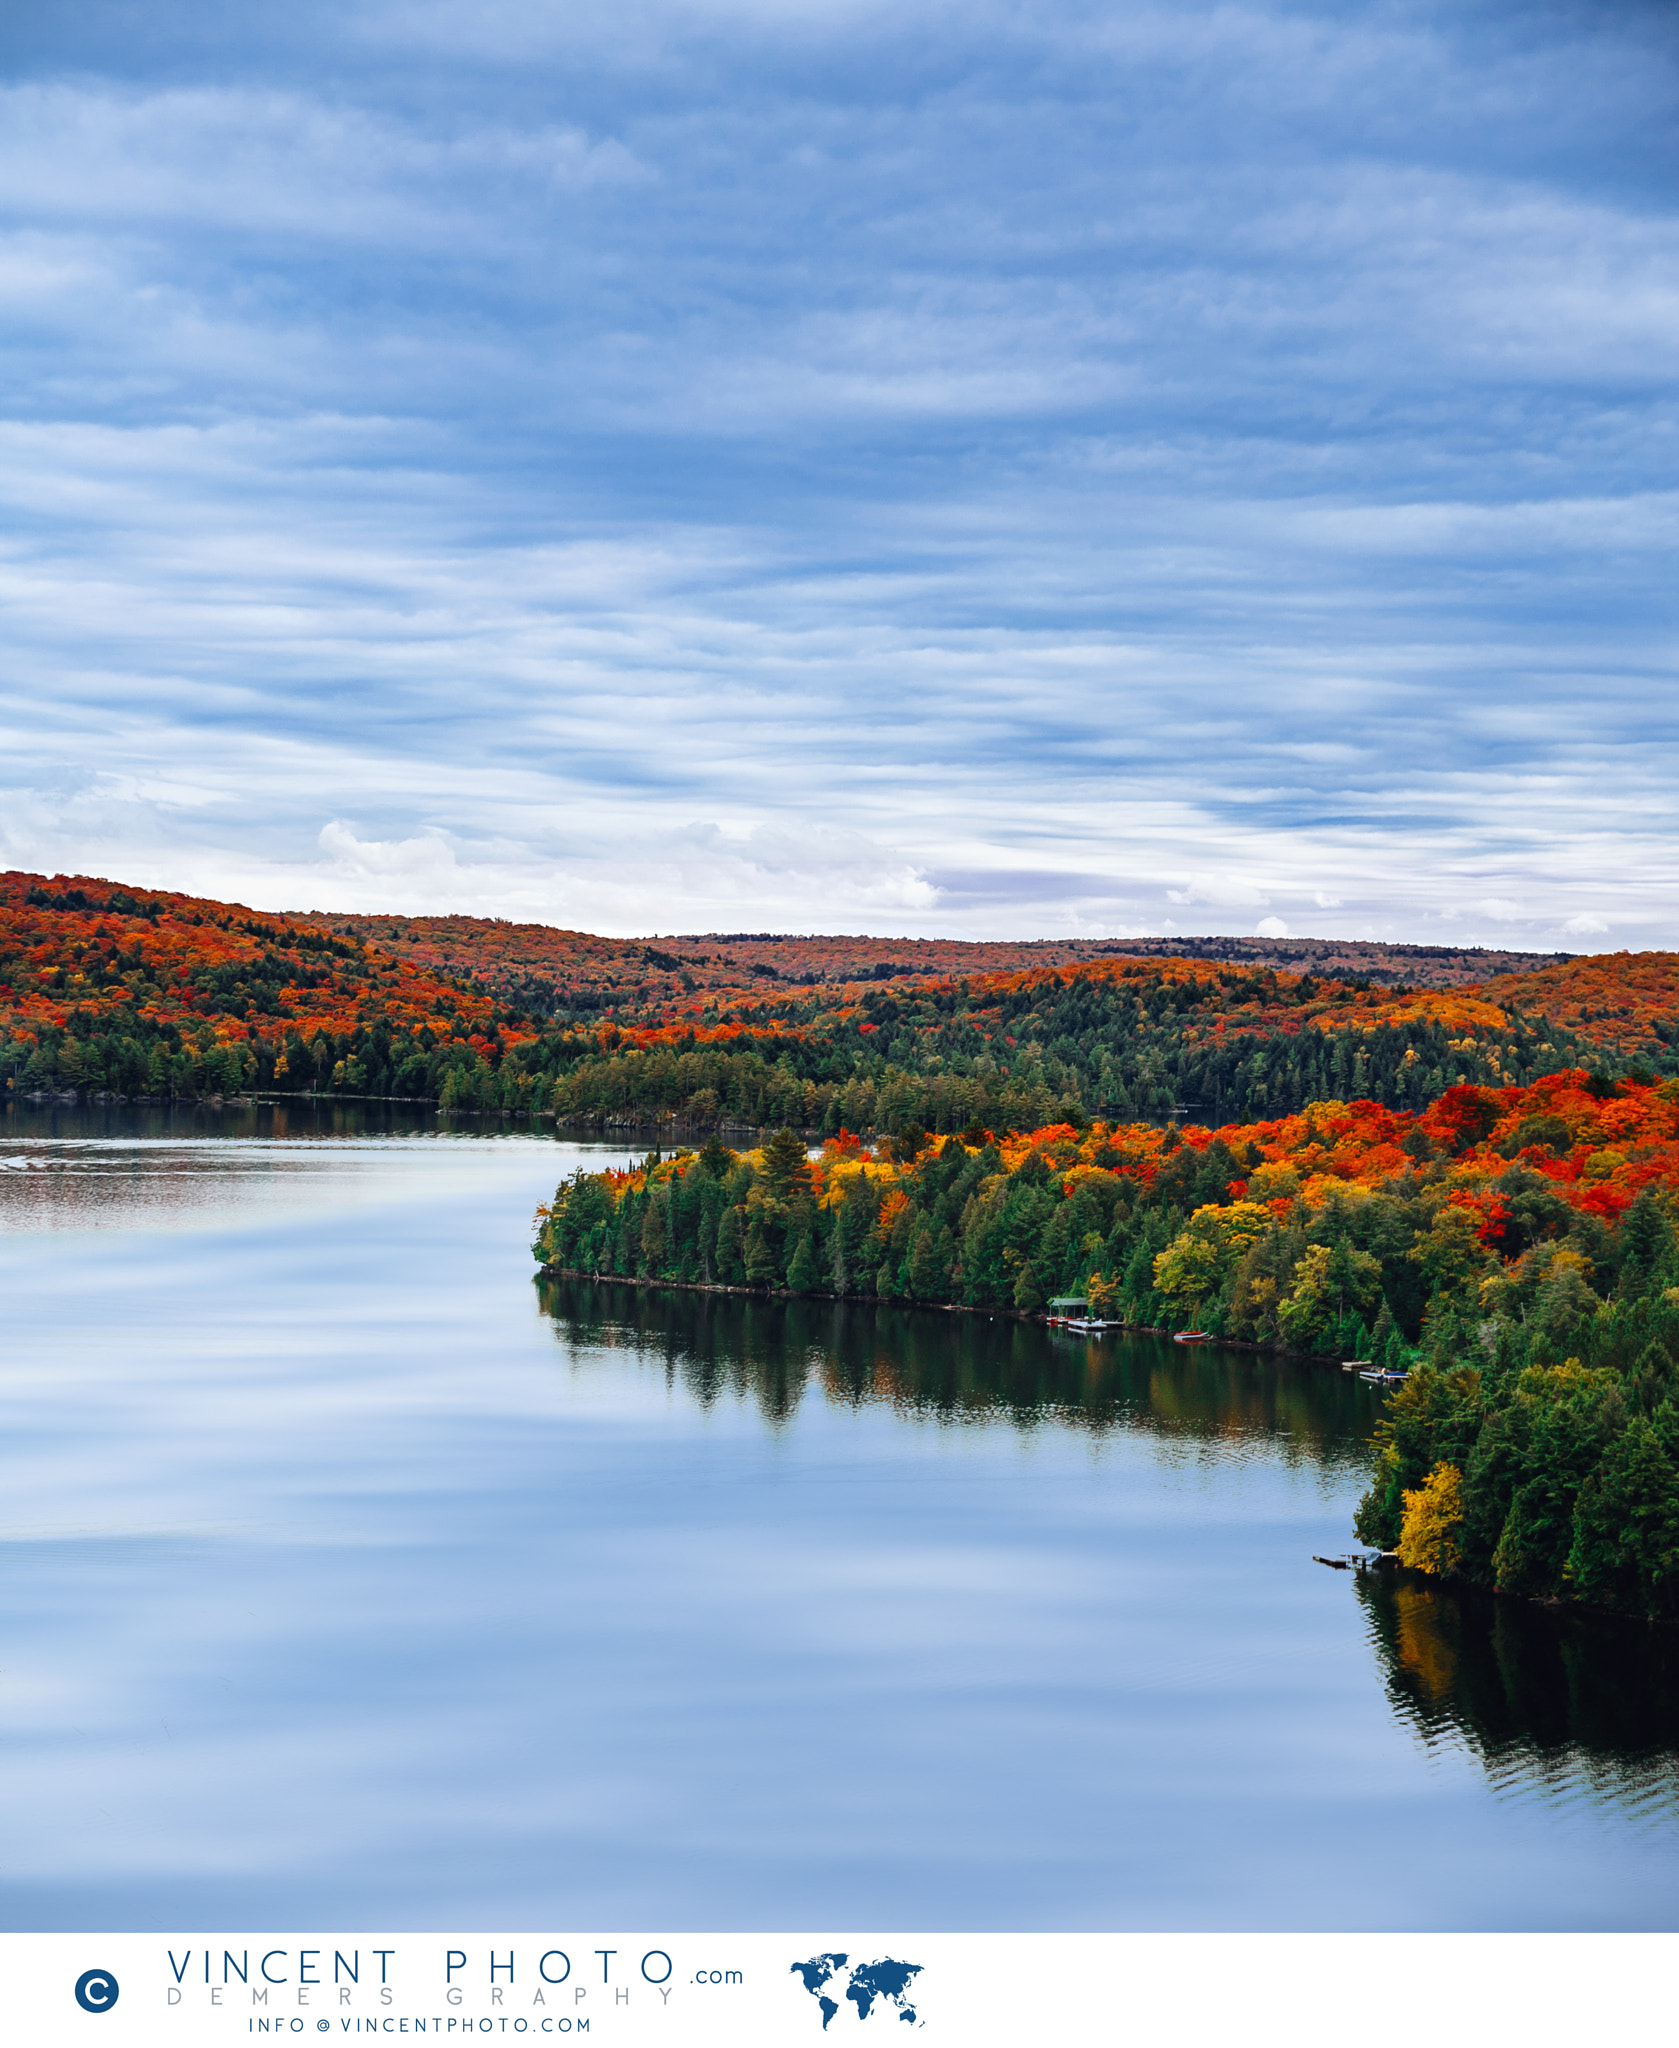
column 29, row 1123
column 183, row 1165
column 966, row 1367
column 1553, row 1705
column 463, row 1600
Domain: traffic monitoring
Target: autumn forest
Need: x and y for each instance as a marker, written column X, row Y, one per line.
column 1463, row 1168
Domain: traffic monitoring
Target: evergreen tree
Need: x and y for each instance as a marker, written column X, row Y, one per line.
column 731, row 1257
column 1625, row 1549
column 924, row 1276
column 786, row 1165
column 761, row 1267
column 802, row 1271
column 1382, row 1335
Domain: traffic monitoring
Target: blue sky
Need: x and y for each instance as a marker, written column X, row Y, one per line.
column 989, row 470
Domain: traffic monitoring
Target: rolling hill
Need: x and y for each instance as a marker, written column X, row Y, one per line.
column 111, row 990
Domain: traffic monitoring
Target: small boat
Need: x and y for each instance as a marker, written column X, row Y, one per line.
column 1193, row 1337
column 1381, row 1376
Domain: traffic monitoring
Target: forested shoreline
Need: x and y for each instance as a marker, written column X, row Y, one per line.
column 112, row 992
column 895, row 1064
column 1512, row 1248
column 1476, row 1181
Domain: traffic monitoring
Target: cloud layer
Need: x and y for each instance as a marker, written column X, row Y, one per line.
column 982, row 471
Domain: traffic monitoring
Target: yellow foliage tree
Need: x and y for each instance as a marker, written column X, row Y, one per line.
column 1428, row 1536
column 1209, row 1246
column 1194, row 1264
column 1189, row 1269
column 1239, row 1225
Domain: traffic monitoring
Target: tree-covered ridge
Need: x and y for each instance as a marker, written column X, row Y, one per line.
column 562, row 974
column 1118, row 1038
column 104, row 988
column 1517, row 1243
column 1625, row 1003
column 544, row 971
column 108, row 989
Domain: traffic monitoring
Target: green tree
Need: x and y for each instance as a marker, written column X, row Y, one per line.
column 731, row 1253
column 803, row 1272
column 1625, row 1549
column 1189, row 1269
column 1450, row 1252
column 653, row 1232
column 925, row 1278
column 761, row 1267
column 786, row 1165
column 1305, row 1311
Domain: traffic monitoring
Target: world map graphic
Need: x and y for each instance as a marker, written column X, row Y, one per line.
column 881, row 1987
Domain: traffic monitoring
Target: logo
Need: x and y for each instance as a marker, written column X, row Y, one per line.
column 96, row 1991
column 883, row 1987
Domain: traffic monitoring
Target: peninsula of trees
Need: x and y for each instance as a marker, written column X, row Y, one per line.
column 1512, row 1246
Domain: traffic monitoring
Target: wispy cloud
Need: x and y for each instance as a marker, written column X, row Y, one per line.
column 936, row 469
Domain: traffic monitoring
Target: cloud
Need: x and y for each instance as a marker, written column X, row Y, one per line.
column 1224, row 892
column 264, row 163
column 428, row 857
column 1271, row 928
column 1584, row 926
column 976, row 470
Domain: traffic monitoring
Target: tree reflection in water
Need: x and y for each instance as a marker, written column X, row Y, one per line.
column 967, row 1368
column 1555, row 1705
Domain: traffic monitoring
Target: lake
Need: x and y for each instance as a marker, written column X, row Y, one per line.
column 351, row 1576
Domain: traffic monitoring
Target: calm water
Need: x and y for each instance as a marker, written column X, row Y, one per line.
column 351, row 1578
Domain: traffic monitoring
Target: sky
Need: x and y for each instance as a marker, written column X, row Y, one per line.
column 988, row 470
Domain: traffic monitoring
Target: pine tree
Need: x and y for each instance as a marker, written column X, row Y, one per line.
column 1382, row 1336
column 924, row 1274
column 731, row 1262
column 1646, row 1241
column 761, row 1268
column 802, row 1272
column 1625, row 1551
column 653, row 1235
column 786, row 1164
